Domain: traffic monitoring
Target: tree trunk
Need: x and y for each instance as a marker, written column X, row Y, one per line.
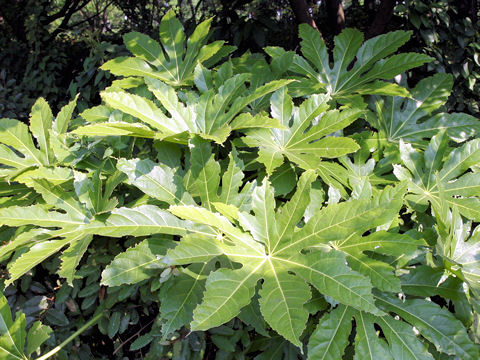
column 467, row 8
column 336, row 16
column 14, row 15
column 302, row 13
column 382, row 18
column 369, row 6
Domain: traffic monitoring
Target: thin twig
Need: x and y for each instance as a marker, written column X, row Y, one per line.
column 131, row 337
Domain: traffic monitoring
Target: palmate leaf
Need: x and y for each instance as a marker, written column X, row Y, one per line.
column 35, row 215
column 433, row 178
column 13, row 334
column 212, row 116
column 436, row 324
column 181, row 296
column 40, row 252
column 65, row 210
column 140, row 221
column 48, row 242
column 268, row 244
column 137, row 263
column 304, row 140
column 467, row 254
column 400, row 246
column 331, row 337
column 72, row 256
column 370, row 64
column 415, row 119
column 163, row 182
column 156, row 180
column 423, row 281
column 173, row 61
column 16, row 135
column 204, row 180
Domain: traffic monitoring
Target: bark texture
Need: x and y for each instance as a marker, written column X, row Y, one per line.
column 302, row 13
column 382, row 18
column 336, row 15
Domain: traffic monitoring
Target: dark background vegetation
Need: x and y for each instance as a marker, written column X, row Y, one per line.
column 53, row 48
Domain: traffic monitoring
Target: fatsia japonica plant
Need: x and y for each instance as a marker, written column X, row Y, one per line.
column 251, row 208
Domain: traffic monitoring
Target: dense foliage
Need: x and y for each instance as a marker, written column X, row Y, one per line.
column 53, row 48
column 287, row 205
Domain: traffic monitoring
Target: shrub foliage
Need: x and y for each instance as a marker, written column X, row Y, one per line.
column 251, row 206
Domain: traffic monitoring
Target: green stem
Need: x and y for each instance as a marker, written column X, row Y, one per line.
column 91, row 322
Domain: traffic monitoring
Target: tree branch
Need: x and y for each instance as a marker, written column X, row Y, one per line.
column 64, row 24
column 62, row 12
column 302, row 13
column 98, row 13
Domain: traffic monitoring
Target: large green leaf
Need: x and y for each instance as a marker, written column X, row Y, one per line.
column 262, row 245
column 181, row 297
column 13, row 334
column 35, row 215
column 174, row 60
column 15, row 134
column 436, row 324
column 330, row 339
column 304, row 140
column 331, row 336
column 156, row 180
column 137, row 263
column 467, row 254
column 40, row 252
column 15, row 139
column 40, row 122
column 414, row 120
column 357, row 68
column 454, row 184
column 212, row 116
column 72, row 256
